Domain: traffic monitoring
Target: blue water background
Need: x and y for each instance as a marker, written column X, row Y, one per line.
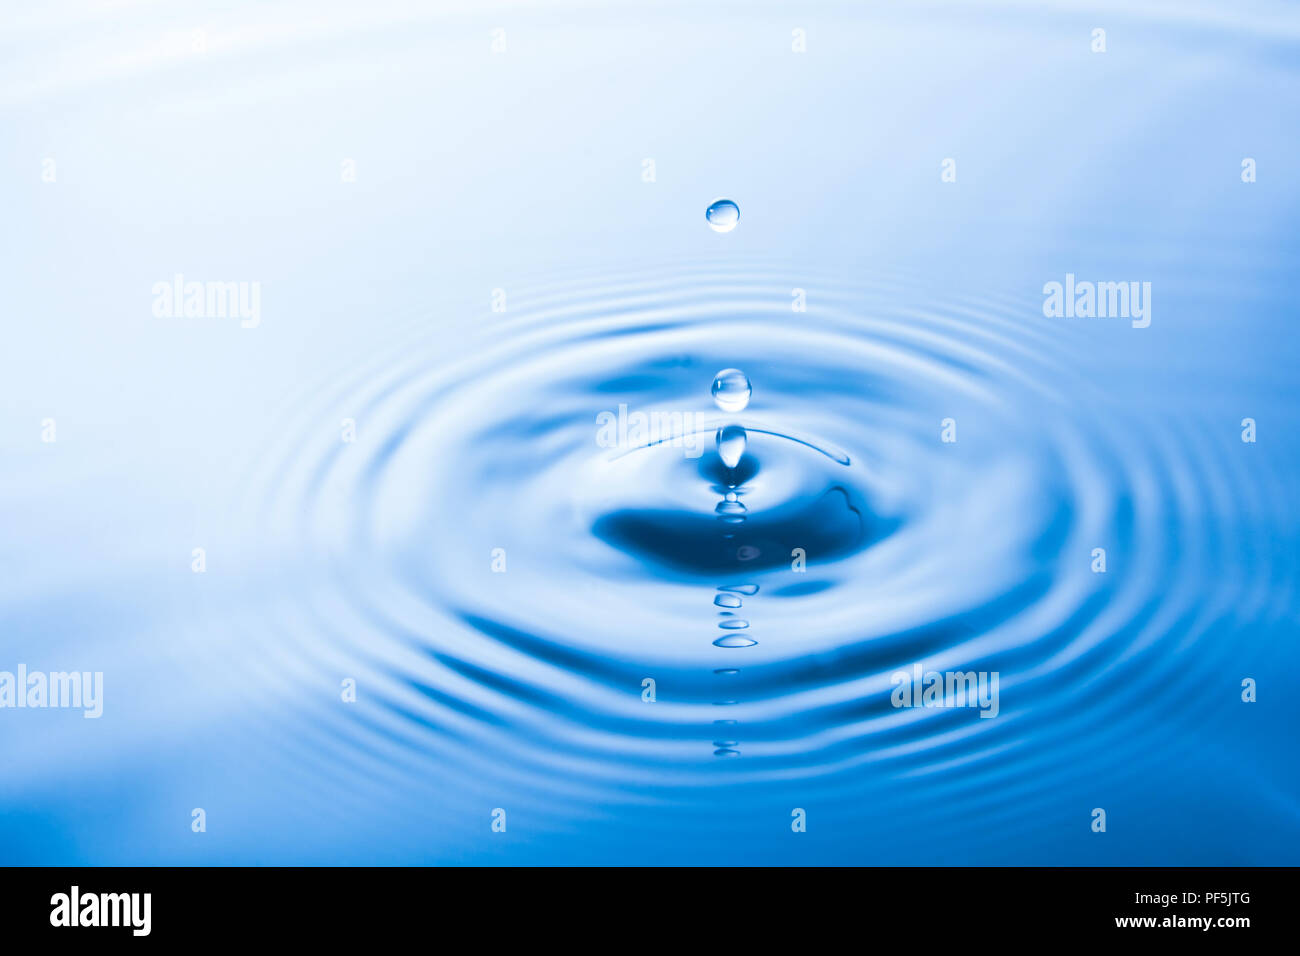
column 522, row 171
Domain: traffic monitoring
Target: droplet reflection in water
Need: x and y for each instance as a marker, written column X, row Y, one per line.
column 731, row 390
column 734, row 640
column 723, row 215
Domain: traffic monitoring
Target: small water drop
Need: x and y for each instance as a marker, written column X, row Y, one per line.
column 726, row 752
column 731, row 390
column 726, row 670
column 726, row 743
column 734, row 640
column 722, row 215
column 730, row 508
column 733, row 624
column 727, row 600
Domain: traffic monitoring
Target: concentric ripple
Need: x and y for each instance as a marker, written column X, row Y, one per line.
column 921, row 482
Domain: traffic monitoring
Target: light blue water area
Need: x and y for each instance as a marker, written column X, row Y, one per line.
column 463, row 450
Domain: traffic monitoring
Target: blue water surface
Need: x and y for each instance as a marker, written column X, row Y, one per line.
column 478, row 232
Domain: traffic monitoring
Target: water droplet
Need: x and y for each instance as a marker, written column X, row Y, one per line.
column 726, row 743
column 747, row 552
column 731, row 446
column 726, row 670
column 731, row 389
column 727, row 600
column 723, row 215
column 726, row 752
column 733, row 624
column 734, row 640
column 740, row 588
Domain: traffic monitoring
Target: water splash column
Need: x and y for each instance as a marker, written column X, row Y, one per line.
column 731, row 393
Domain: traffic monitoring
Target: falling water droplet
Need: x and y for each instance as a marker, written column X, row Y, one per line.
column 740, row 588
column 731, row 389
column 726, row 670
column 725, row 743
column 733, row 624
column 731, row 447
column 726, row 752
column 723, row 215
column 727, row 600
column 734, row 640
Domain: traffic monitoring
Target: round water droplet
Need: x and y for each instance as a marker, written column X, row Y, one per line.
column 723, row 215
column 730, row 508
column 731, row 389
column 734, row 640
column 733, row 624
column 731, row 441
column 727, row 600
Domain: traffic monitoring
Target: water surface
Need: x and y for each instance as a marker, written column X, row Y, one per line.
column 500, row 584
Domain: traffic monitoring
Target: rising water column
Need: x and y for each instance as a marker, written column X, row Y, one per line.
column 731, row 392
